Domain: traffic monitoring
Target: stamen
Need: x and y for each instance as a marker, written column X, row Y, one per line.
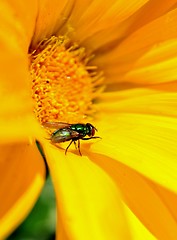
column 63, row 85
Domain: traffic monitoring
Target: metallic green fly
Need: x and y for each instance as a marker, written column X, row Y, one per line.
column 71, row 132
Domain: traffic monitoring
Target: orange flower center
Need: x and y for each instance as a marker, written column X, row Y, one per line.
column 63, row 84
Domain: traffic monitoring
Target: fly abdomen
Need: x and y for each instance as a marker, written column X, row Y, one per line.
column 61, row 135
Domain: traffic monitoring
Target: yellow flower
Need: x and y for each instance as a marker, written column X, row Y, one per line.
column 124, row 185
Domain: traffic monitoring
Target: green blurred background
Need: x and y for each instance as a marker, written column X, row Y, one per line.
column 40, row 224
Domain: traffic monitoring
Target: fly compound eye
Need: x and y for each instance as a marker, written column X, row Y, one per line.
column 93, row 131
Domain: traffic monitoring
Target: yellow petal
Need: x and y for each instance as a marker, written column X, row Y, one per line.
column 51, row 16
column 148, row 205
column 137, row 228
column 15, row 96
column 144, row 142
column 89, row 205
column 20, row 21
column 18, row 128
column 141, row 101
column 155, row 8
column 169, row 198
column 13, row 60
column 124, row 62
column 157, row 65
column 90, row 25
column 22, row 177
column 144, row 199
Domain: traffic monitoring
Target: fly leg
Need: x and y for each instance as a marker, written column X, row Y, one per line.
column 78, row 145
column 75, row 144
column 90, row 138
column 69, row 146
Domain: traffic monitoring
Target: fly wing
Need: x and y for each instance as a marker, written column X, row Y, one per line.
column 63, row 135
column 56, row 125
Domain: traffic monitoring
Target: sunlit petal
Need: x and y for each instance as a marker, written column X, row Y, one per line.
column 90, row 25
column 150, row 11
column 147, row 43
column 83, row 203
column 137, row 228
column 168, row 197
column 20, row 21
column 144, row 142
column 16, row 105
column 143, row 198
column 141, row 101
column 51, row 16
